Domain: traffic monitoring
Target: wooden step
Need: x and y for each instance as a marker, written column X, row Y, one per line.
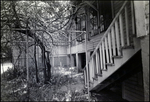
column 91, row 82
column 117, row 56
column 110, row 64
column 104, row 69
column 111, row 76
column 128, row 47
column 99, row 75
column 95, row 78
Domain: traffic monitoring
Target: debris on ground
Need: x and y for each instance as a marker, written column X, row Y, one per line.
column 65, row 85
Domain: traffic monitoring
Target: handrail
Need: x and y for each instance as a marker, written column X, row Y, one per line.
column 106, row 33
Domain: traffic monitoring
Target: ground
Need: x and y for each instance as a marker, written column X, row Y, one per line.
column 65, row 85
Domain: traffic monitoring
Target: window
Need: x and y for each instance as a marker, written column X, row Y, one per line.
column 81, row 26
column 93, row 21
column 101, row 18
column 105, row 14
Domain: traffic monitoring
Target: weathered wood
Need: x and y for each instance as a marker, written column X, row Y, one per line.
column 113, row 40
column 117, row 38
column 85, row 77
column 93, row 67
column 133, row 18
column 140, row 18
column 97, row 62
column 106, row 49
column 121, row 30
column 101, row 57
column 127, row 26
column 103, row 54
column 109, row 28
column 90, row 70
column 110, row 48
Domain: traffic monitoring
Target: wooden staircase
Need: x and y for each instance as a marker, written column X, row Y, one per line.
column 117, row 46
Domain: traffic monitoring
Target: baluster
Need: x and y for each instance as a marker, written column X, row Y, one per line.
column 121, row 30
column 91, row 69
column 106, row 48
column 127, row 25
column 117, row 37
column 103, row 54
column 133, row 20
column 97, row 62
column 110, row 51
column 88, row 75
column 101, row 57
column 85, row 77
column 113, row 41
column 93, row 66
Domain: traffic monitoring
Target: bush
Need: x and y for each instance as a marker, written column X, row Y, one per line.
column 13, row 73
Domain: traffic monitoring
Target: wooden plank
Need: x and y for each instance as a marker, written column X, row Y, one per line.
column 93, row 67
column 101, row 57
column 127, row 26
column 139, row 18
column 135, row 90
column 112, row 24
column 110, row 48
column 103, row 54
column 97, row 62
column 85, row 81
column 99, row 69
column 106, row 49
column 134, row 94
column 117, row 37
column 133, row 18
column 121, row 30
column 113, row 41
column 91, row 70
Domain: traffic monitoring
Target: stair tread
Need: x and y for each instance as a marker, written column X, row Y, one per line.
column 91, row 82
column 104, row 69
column 110, row 64
column 117, row 56
column 127, row 47
column 95, row 78
column 99, row 74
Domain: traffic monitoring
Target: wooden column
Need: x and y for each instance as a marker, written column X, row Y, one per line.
column 77, row 59
column 87, row 32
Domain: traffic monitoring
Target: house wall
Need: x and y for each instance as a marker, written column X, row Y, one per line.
column 20, row 59
column 91, row 44
column 132, row 88
column 142, row 29
column 116, row 6
column 59, row 57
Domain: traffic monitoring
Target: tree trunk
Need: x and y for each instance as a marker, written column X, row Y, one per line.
column 37, row 79
column 46, row 64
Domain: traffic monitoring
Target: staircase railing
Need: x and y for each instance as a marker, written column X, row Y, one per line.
column 117, row 35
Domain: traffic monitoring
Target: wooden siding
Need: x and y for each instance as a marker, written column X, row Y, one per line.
column 133, row 88
column 59, row 61
column 91, row 44
column 117, row 5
